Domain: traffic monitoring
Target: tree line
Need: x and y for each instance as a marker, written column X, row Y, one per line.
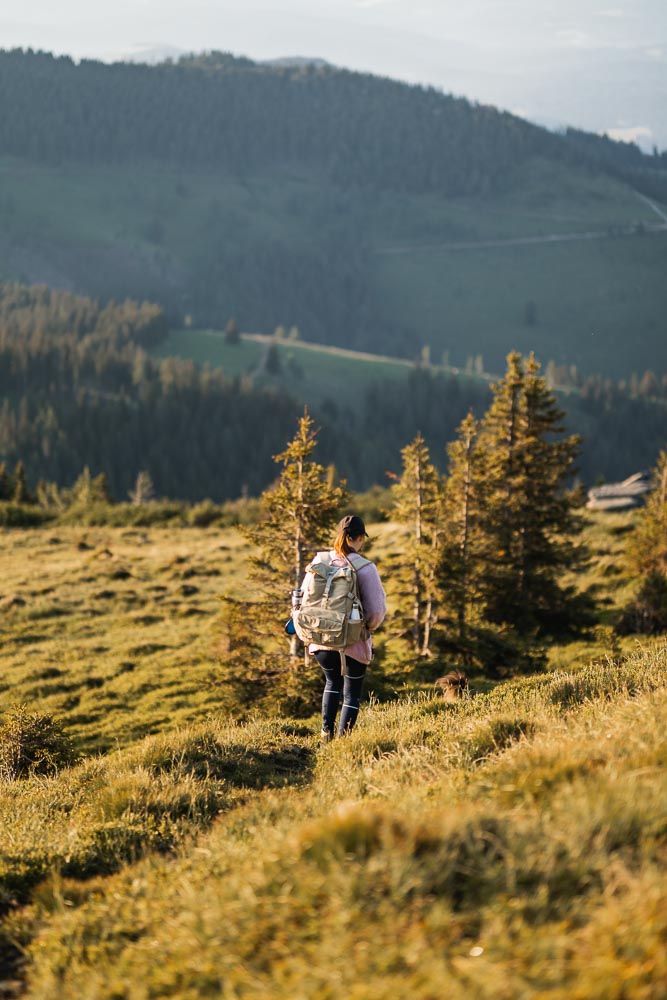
column 487, row 544
column 477, row 568
column 648, row 384
column 81, row 390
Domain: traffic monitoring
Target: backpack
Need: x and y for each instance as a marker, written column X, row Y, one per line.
column 330, row 614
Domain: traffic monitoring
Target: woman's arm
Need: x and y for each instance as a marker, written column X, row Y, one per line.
column 372, row 596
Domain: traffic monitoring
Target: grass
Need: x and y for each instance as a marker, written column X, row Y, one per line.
column 605, row 281
column 308, row 371
column 510, row 845
column 147, row 231
column 117, row 638
column 437, row 848
column 119, row 634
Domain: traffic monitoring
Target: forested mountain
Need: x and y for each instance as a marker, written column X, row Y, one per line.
column 81, row 390
column 220, row 111
column 363, row 210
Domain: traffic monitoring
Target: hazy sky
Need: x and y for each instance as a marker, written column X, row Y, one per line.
column 599, row 64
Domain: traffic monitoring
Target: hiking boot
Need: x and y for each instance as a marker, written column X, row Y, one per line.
column 326, row 736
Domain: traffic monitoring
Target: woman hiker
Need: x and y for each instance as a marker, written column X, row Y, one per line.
column 347, row 546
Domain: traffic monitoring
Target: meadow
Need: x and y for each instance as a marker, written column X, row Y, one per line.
column 311, row 373
column 509, row 845
column 156, row 231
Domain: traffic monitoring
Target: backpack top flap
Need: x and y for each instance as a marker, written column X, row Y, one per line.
column 322, row 567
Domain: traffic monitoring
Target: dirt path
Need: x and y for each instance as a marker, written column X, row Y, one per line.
column 339, row 352
column 610, row 233
column 652, row 205
column 521, row 241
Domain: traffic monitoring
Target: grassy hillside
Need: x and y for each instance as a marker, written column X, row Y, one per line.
column 379, row 271
column 365, row 211
column 512, row 844
column 118, row 632
column 311, row 373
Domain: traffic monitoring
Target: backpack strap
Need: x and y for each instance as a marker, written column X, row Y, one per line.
column 355, row 570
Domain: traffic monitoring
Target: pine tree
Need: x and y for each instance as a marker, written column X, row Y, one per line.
column 461, row 563
column 143, row 491
column 647, row 548
column 271, row 360
column 528, row 520
column 49, row 496
column 298, row 514
column 88, row 490
column 646, row 560
column 232, row 335
column 100, row 492
column 22, row 492
column 418, row 501
column 6, row 483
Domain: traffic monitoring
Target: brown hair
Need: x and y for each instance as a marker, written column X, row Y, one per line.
column 342, row 546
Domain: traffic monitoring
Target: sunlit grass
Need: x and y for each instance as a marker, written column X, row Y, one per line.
column 114, row 630
column 512, row 844
column 490, row 849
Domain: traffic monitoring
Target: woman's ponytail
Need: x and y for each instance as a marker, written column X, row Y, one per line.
column 342, row 545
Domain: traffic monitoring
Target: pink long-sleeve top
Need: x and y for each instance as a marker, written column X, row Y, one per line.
column 373, row 601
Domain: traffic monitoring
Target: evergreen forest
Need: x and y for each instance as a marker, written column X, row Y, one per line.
column 81, row 388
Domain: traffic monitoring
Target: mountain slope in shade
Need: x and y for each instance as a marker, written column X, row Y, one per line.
column 364, row 211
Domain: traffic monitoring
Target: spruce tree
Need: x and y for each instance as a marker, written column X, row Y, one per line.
column 100, row 492
column 143, row 491
column 461, row 563
column 22, row 492
column 418, row 501
column 646, row 561
column 647, row 548
column 88, row 490
column 232, row 335
column 528, row 519
column 298, row 515
column 6, row 483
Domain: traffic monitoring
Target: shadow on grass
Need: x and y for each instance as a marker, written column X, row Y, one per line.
column 272, row 765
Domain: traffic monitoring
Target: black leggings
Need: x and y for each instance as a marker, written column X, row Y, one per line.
column 329, row 660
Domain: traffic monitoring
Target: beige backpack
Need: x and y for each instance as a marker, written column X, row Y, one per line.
column 331, row 614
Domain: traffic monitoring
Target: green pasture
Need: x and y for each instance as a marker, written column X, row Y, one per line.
column 541, row 197
column 152, row 232
column 119, row 202
column 310, row 372
column 209, row 347
column 532, row 297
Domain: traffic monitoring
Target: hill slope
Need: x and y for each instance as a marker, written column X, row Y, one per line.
column 366, row 212
column 508, row 844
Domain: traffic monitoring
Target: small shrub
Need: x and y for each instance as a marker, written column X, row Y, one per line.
column 16, row 515
column 204, row 514
column 32, row 743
